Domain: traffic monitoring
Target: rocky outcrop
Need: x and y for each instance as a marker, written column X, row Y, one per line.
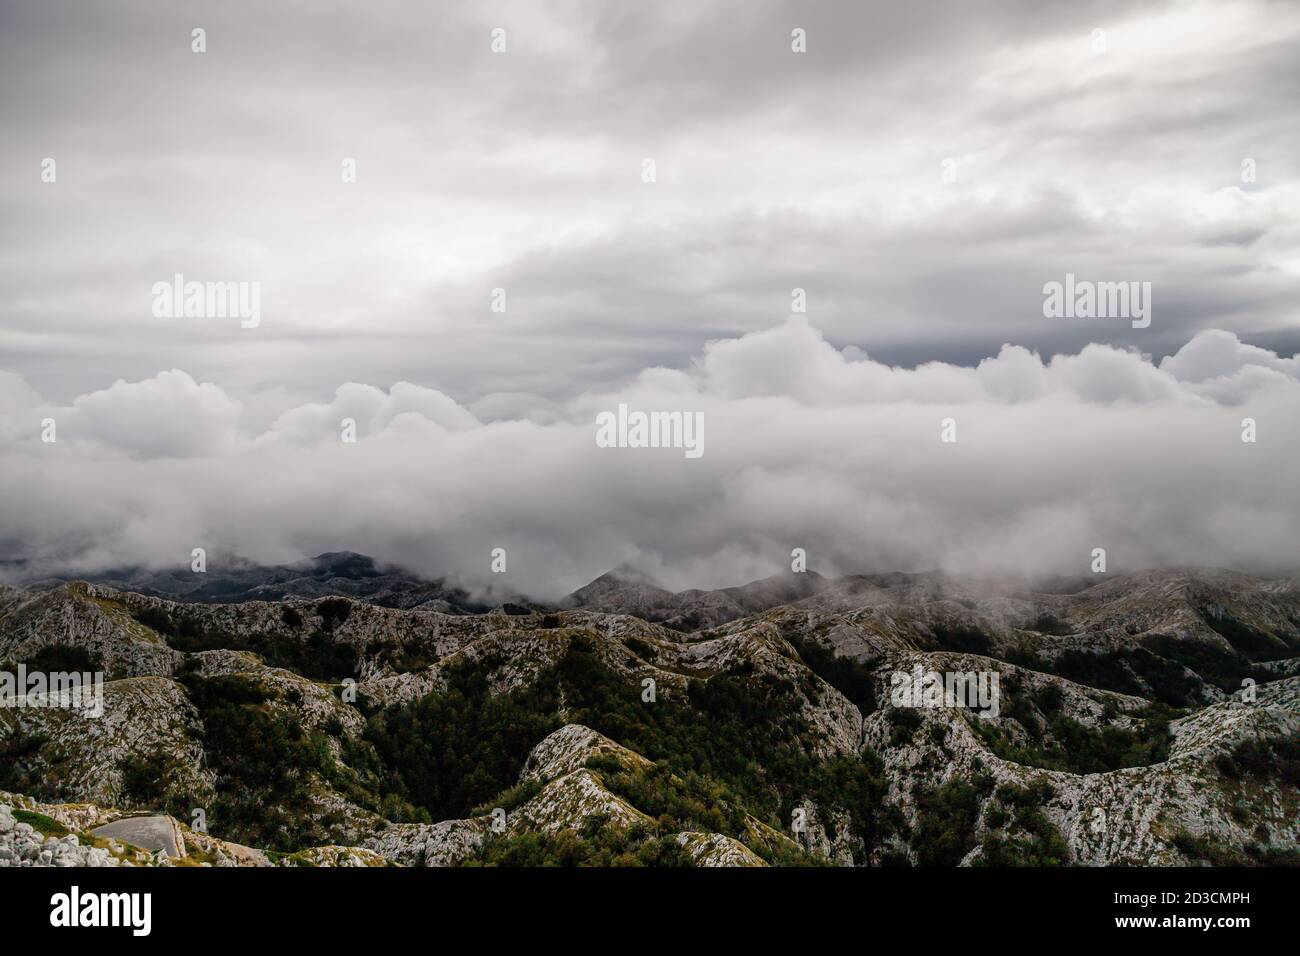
column 570, row 796
column 1129, row 816
column 87, row 758
column 714, row 849
column 440, row 844
column 569, row 748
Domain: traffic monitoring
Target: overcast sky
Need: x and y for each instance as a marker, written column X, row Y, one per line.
column 1114, row 156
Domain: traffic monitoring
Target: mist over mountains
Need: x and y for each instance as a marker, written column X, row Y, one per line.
column 809, row 446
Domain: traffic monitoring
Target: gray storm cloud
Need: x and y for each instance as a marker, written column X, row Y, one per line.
column 807, row 446
column 522, row 171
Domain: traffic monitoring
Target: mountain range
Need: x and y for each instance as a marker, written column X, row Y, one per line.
column 337, row 712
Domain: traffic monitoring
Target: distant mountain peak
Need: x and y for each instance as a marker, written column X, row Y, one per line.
column 345, row 564
column 626, row 573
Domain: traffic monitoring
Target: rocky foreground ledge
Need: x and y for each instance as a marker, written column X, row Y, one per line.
column 38, row 834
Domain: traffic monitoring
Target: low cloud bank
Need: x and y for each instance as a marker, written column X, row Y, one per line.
column 807, row 446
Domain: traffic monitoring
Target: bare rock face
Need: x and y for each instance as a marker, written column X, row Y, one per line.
column 714, row 849
column 828, row 834
column 566, row 802
column 569, row 749
column 83, row 617
column 441, row 844
column 624, row 590
column 334, row 856
column 1129, row 816
column 86, row 757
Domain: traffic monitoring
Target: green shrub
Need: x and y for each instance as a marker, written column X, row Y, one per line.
column 642, row 649
column 334, row 611
column 851, row 678
column 1268, row 760
column 1068, row 745
column 63, row 658
column 904, row 722
column 946, row 818
column 264, row 762
column 318, row 657
column 155, row 618
column 45, row 826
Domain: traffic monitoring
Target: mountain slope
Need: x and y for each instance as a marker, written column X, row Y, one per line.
column 1148, row 718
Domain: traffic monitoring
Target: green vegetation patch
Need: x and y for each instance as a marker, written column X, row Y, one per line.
column 851, row 678
column 1216, row 853
column 266, row 764
column 317, row 656
column 59, row 658
column 23, row 755
column 1057, row 742
column 635, row 847
column 1021, row 834
column 947, row 816
column 1276, row 760
column 45, row 826
column 737, row 743
column 1158, row 669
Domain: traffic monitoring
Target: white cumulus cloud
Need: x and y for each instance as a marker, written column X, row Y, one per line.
column 806, row 446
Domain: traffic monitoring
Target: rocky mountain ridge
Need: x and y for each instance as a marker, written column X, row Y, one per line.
column 1147, row 719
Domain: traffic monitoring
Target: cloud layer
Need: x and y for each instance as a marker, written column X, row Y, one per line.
column 806, row 446
column 522, row 171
